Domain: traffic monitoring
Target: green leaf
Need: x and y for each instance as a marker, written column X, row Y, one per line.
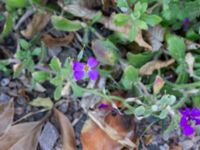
column 77, row 90
column 64, row 24
column 55, row 64
column 122, row 3
column 8, row 25
column 97, row 17
column 42, row 102
column 151, row 19
column 130, row 76
column 196, row 101
column 139, row 111
column 40, row 76
column 105, row 51
column 121, row 19
column 168, row 99
column 163, row 114
column 57, row 92
column 37, row 51
column 141, row 24
column 12, row 4
column 24, row 44
column 133, row 33
column 138, row 60
column 140, row 7
column 58, row 80
column 176, row 47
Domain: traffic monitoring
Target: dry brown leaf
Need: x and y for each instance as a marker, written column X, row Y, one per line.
column 22, row 136
column 150, row 67
column 39, row 21
column 176, row 147
column 67, row 132
column 156, row 37
column 50, row 41
column 85, row 13
column 148, row 139
column 113, row 133
column 6, row 116
column 158, row 84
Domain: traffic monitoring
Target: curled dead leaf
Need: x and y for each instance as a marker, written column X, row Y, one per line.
column 111, row 133
column 67, row 132
column 39, row 21
column 50, row 41
column 6, row 116
column 80, row 11
column 158, row 84
column 150, row 67
column 21, row 136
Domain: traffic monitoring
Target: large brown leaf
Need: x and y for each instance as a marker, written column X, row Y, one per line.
column 111, row 132
column 66, row 129
column 39, row 21
column 86, row 13
column 22, row 136
column 6, row 116
column 57, row 42
column 150, row 67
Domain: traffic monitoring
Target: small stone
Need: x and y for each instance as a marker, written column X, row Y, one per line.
column 48, row 137
column 21, row 100
column 19, row 110
column 187, row 144
column 63, row 107
column 5, row 82
column 4, row 98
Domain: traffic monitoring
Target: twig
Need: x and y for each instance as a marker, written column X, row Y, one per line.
column 30, row 114
column 27, row 14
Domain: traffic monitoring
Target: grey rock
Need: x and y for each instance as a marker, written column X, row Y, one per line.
column 5, row 82
column 48, row 137
column 4, row 98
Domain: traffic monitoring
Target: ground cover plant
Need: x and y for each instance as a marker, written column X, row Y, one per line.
column 99, row 74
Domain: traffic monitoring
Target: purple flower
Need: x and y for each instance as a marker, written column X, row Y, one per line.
column 81, row 69
column 189, row 117
column 185, row 24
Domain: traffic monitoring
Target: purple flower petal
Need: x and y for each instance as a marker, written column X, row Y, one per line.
column 185, row 112
column 77, row 66
column 186, row 24
column 197, row 121
column 195, row 112
column 93, row 74
column 103, row 106
column 78, row 75
column 92, row 62
column 184, row 122
column 188, row 130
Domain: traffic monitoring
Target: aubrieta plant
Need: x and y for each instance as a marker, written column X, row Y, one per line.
column 171, row 96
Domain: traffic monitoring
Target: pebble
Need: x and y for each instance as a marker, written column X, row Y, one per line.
column 4, row 98
column 5, row 82
column 63, row 107
column 48, row 137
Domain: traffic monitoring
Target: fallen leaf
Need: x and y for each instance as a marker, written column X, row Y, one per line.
column 148, row 139
column 42, row 102
column 39, row 21
column 155, row 36
column 22, row 136
column 67, row 132
column 191, row 45
column 189, row 59
column 6, row 116
column 116, row 132
column 80, row 11
column 150, row 67
column 158, row 84
column 50, row 41
column 176, row 147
